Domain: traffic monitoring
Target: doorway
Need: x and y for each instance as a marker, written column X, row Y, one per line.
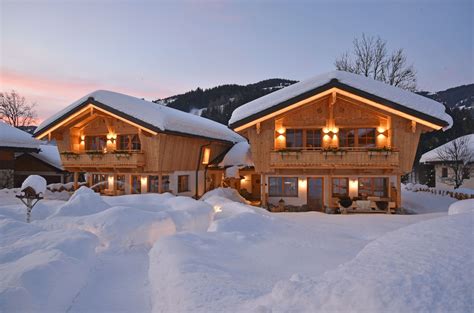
column 256, row 187
column 315, row 193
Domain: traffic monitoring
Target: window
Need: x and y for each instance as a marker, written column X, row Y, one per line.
column 153, row 183
column 183, row 183
column 373, row 187
column 347, row 137
column 129, row 143
column 283, row 186
column 294, row 138
column 366, row 137
column 120, row 183
column 206, row 155
column 100, row 182
column 340, row 187
column 466, row 173
column 136, row 184
column 96, row 143
column 313, row 138
column 165, row 183
column 444, row 172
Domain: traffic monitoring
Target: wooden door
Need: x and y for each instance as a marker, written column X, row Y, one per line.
column 315, row 193
column 256, row 185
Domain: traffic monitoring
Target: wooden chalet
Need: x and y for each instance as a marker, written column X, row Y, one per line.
column 125, row 145
column 336, row 135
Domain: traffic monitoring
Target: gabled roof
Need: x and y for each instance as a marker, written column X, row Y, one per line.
column 432, row 155
column 376, row 91
column 50, row 155
column 16, row 139
column 156, row 117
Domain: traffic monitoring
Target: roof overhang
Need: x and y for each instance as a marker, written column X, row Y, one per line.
column 91, row 103
column 19, row 149
column 335, row 86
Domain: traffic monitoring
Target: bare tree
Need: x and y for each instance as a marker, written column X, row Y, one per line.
column 14, row 109
column 457, row 156
column 370, row 58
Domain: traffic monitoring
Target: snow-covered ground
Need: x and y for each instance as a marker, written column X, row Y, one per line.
column 161, row 253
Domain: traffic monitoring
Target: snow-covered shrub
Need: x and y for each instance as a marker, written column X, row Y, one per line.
column 462, row 206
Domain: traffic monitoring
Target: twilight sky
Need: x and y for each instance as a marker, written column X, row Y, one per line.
column 54, row 52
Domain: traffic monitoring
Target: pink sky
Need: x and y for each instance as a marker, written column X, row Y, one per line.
column 52, row 94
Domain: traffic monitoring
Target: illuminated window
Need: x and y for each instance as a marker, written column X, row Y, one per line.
column 313, row 138
column 283, row 186
column 340, row 187
column 100, row 182
column 95, row 143
column 294, row 138
column 183, row 183
column 153, row 183
column 129, row 143
column 366, row 137
column 373, row 187
column 206, row 155
column 347, row 137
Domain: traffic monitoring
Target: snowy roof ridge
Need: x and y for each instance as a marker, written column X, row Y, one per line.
column 413, row 102
column 50, row 155
column 158, row 116
column 12, row 137
column 432, row 155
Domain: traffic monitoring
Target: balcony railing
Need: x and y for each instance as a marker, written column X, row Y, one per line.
column 98, row 159
column 335, row 158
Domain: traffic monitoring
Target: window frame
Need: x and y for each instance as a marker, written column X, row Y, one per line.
column 282, row 191
column 444, row 172
column 165, row 183
column 130, row 141
column 334, row 184
column 314, row 133
column 181, row 185
column 366, row 138
column 373, row 186
column 151, row 179
column 294, row 131
column 93, row 140
column 132, row 186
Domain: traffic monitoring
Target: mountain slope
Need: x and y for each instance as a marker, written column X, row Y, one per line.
column 217, row 103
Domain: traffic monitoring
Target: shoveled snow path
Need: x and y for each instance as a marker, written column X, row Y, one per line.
column 118, row 283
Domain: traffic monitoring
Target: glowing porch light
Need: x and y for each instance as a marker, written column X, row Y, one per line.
column 83, row 138
column 111, row 137
column 353, row 186
column 281, row 131
column 303, row 183
column 144, row 181
column 206, row 156
column 111, row 181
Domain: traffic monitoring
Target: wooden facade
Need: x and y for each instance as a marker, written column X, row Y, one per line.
column 122, row 157
column 354, row 148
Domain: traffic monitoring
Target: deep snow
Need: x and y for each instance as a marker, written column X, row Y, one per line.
column 161, row 253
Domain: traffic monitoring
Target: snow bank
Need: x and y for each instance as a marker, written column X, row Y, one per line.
column 433, row 155
column 463, row 206
column 424, row 267
column 228, row 193
column 36, row 182
column 83, row 202
column 42, row 271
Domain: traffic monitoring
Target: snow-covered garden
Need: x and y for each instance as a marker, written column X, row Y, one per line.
column 161, row 253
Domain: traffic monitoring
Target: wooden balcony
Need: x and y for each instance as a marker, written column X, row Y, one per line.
column 98, row 160
column 347, row 158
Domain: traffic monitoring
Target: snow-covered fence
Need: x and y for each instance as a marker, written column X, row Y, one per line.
column 456, row 194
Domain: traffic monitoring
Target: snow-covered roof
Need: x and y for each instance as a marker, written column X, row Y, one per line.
column 49, row 154
column 11, row 137
column 157, row 116
column 432, row 155
column 424, row 107
column 239, row 155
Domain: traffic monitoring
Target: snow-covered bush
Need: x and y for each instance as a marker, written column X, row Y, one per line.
column 462, row 206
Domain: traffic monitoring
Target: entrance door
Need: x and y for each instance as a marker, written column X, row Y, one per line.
column 256, row 187
column 315, row 193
